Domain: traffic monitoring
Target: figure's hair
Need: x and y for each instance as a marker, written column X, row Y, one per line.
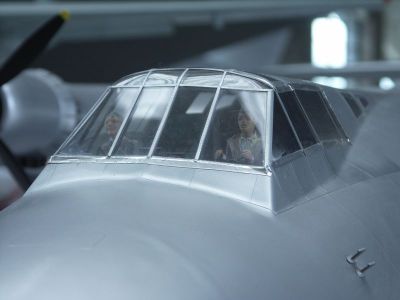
column 242, row 111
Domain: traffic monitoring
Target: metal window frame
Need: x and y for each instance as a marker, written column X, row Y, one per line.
column 335, row 120
column 149, row 84
column 341, row 135
column 301, row 148
column 166, row 114
column 133, row 75
column 218, row 73
column 84, row 120
column 235, row 73
column 313, row 131
column 256, row 77
column 269, row 93
column 123, row 125
column 269, row 117
column 139, row 86
column 150, row 158
column 192, row 85
column 208, row 120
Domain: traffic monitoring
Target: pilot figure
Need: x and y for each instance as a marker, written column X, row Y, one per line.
column 244, row 147
column 111, row 125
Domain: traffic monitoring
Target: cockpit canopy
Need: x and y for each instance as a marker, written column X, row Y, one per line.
column 201, row 115
column 194, row 114
column 210, row 119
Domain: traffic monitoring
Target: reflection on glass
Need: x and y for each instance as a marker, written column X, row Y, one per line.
column 318, row 114
column 237, row 130
column 298, row 118
column 240, row 82
column 99, row 132
column 144, row 121
column 185, row 122
column 283, row 138
column 163, row 77
column 137, row 80
column 202, row 78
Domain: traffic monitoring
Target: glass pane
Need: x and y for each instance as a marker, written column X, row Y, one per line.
column 318, row 114
column 163, row 77
column 240, row 82
column 237, row 130
column 144, row 121
column 363, row 100
column 99, row 132
column 283, row 138
column 202, row 78
column 185, row 123
column 298, row 118
column 136, row 80
column 351, row 101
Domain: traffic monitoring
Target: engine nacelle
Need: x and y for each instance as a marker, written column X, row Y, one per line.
column 38, row 111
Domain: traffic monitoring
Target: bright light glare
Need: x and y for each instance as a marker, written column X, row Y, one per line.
column 386, row 83
column 336, row 82
column 329, row 42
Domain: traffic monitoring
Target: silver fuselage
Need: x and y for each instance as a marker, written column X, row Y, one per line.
column 151, row 229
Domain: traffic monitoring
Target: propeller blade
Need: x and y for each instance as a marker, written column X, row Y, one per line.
column 11, row 162
column 31, row 47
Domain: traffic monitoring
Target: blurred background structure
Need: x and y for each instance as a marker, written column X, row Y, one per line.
column 106, row 40
column 343, row 43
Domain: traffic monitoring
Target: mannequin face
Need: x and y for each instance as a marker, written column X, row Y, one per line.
column 246, row 124
column 112, row 124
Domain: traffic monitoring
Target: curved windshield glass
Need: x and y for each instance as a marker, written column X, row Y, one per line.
column 144, row 121
column 100, row 130
column 185, row 123
column 206, row 115
column 237, row 130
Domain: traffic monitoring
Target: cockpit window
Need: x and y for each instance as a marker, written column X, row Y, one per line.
column 166, row 77
column 320, row 115
column 137, row 80
column 143, row 123
column 195, row 114
column 240, row 82
column 181, row 135
column 237, row 130
column 202, row 78
column 298, row 118
column 99, row 132
column 283, row 139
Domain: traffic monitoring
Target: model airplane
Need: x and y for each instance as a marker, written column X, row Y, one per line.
column 214, row 184
column 38, row 111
